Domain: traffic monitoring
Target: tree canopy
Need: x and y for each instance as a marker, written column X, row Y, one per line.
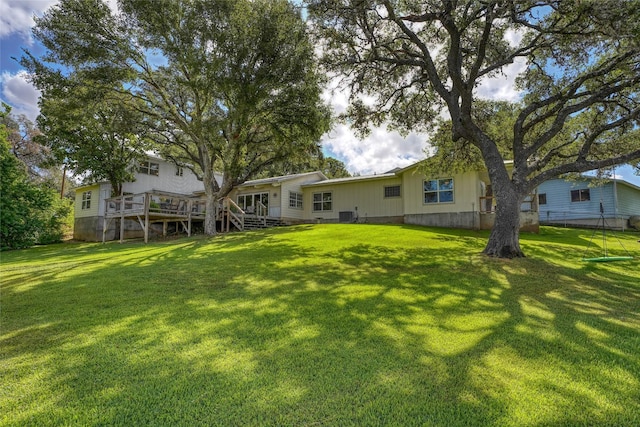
column 100, row 139
column 407, row 61
column 229, row 86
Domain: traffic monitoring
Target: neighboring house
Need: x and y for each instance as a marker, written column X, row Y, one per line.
column 405, row 195
column 154, row 174
column 577, row 203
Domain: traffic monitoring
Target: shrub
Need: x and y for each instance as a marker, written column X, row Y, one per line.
column 29, row 213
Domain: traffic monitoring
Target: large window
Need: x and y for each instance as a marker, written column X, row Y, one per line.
column 86, row 200
column 438, row 190
column 391, row 191
column 295, row 200
column 580, row 195
column 149, row 168
column 322, row 201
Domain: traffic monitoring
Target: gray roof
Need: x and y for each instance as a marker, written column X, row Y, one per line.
column 352, row 179
column 279, row 179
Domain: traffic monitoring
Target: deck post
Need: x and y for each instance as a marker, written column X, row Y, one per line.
column 164, row 228
column 189, row 208
column 228, row 212
column 104, row 226
column 122, row 219
column 147, row 203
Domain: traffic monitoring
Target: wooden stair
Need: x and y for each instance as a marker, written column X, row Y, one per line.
column 232, row 216
column 255, row 223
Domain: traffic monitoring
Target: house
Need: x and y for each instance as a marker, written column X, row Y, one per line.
column 282, row 196
column 404, row 195
column 154, row 174
column 578, row 203
column 407, row 196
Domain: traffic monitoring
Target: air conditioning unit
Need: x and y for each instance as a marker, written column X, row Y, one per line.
column 346, row 216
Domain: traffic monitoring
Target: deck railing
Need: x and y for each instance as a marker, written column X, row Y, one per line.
column 154, row 206
column 234, row 214
column 262, row 212
column 155, row 203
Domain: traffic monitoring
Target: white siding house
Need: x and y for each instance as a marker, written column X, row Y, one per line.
column 154, row 174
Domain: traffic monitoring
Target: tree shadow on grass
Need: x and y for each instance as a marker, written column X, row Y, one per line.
column 267, row 330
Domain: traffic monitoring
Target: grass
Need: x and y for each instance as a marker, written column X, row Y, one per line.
column 321, row 325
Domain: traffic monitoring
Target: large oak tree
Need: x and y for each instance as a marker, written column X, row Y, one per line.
column 226, row 86
column 406, row 61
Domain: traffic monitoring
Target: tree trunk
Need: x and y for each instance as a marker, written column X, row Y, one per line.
column 210, row 215
column 504, row 241
column 210, row 190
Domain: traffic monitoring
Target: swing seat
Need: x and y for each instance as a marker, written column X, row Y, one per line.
column 607, row 258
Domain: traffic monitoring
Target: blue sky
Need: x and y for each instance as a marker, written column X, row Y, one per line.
column 380, row 152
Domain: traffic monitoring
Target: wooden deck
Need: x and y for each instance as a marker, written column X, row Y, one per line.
column 153, row 207
column 161, row 207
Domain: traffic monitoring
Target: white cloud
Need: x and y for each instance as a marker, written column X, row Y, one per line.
column 18, row 92
column 502, row 86
column 514, row 37
column 16, row 16
column 379, row 152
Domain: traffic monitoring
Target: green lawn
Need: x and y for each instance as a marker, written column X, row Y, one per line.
column 325, row 325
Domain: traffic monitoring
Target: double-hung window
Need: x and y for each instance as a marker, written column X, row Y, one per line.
column 86, row 200
column 322, row 201
column 438, row 190
column 295, row 200
column 149, row 168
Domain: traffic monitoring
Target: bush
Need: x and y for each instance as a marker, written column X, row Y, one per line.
column 29, row 213
column 57, row 221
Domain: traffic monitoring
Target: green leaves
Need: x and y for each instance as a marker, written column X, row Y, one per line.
column 30, row 213
column 101, row 138
column 222, row 84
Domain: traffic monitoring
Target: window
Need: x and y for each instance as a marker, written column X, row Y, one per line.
column 179, row 171
column 149, row 168
column 295, row 200
column 438, row 190
column 322, row 202
column 580, row 195
column 245, row 201
column 86, row 200
column 392, row 191
column 249, row 202
column 542, row 198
